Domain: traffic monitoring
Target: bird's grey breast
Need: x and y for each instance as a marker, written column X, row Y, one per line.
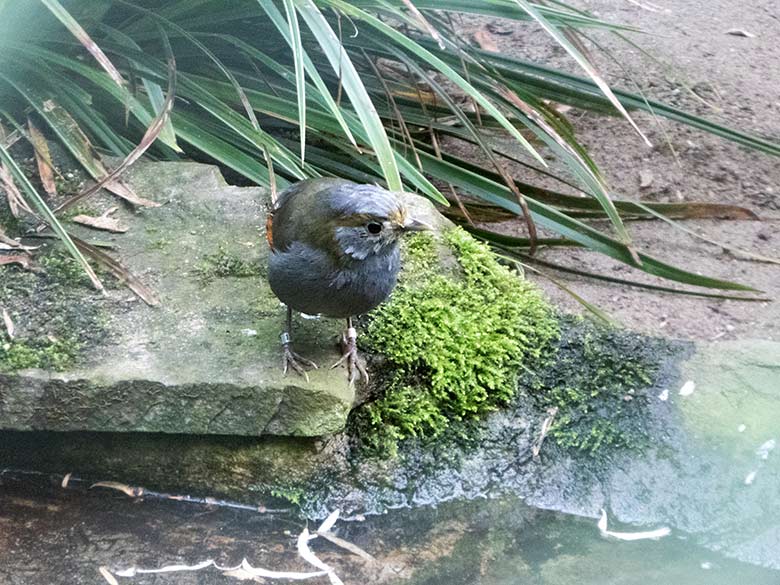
column 310, row 281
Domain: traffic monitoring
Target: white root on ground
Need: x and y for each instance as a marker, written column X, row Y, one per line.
column 645, row 535
column 246, row 571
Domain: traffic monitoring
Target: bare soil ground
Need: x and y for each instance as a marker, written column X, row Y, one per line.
column 740, row 77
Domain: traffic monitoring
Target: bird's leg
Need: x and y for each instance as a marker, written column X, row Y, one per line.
column 292, row 359
column 350, row 354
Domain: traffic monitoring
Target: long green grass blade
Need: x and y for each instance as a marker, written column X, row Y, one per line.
column 83, row 37
column 191, row 129
column 430, row 59
column 561, row 39
column 300, row 80
column 353, row 85
column 566, row 226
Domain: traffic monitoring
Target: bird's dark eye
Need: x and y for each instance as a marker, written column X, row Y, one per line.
column 374, row 227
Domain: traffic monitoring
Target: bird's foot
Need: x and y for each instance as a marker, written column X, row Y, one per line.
column 351, row 357
column 295, row 361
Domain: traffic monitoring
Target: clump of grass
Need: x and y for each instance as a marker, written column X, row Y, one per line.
column 454, row 342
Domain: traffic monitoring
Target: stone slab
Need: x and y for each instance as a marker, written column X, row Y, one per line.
column 207, row 360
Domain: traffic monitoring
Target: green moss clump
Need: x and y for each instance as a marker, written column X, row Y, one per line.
column 43, row 353
column 293, row 495
column 455, row 343
column 64, row 269
column 222, row 263
column 599, row 382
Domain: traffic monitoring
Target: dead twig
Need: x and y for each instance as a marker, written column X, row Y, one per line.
column 102, row 222
column 546, row 426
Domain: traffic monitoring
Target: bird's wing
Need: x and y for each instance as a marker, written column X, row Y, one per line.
column 280, row 215
column 293, row 211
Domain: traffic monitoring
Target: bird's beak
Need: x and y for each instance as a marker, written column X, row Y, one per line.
column 414, row 225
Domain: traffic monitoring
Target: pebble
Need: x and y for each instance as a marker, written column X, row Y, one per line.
column 688, row 388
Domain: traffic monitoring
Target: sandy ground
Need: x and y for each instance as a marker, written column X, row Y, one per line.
column 740, row 77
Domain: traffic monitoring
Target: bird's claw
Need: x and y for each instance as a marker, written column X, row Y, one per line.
column 296, row 362
column 351, row 357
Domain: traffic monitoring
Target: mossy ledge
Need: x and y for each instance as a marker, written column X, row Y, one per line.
column 68, row 315
column 453, row 343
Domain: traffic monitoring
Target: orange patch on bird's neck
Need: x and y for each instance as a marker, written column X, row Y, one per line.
column 269, row 230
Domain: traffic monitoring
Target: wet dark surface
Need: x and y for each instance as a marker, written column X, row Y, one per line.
column 51, row 535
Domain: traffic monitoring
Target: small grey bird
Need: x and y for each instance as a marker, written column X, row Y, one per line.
column 335, row 252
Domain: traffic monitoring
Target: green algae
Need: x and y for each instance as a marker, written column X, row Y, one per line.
column 454, row 343
column 67, row 318
column 39, row 352
column 224, row 263
column 599, row 380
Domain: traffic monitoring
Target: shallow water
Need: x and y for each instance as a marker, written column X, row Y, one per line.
column 53, row 535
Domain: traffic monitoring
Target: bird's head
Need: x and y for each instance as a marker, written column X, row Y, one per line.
column 368, row 220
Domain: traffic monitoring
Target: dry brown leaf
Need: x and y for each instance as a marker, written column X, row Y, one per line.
column 119, row 271
column 133, row 492
column 11, row 244
column 19, row 247
column 16, row 202
column 102, row 222
column 120, row 189
column 111, row 180
column 85, row 153
column 23, row 260
column 9, row 324
column 346, row 545
column 42, row 158
column 485, row 42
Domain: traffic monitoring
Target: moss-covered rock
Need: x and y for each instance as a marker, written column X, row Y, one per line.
column 43, row 353
column 598, row 380
column 453, row 341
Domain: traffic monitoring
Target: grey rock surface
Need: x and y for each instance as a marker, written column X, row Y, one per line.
column 207, row 359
